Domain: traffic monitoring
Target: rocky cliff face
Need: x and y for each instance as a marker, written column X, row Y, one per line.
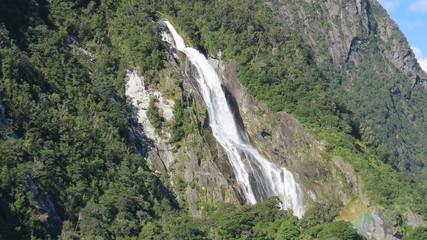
column 354, row 41
column 287, row 142
column 339, row 27
column 342, row 33
column 363, row 53
column 2, row 113
column 198, row 171
column 196, row 168
column 280, row 137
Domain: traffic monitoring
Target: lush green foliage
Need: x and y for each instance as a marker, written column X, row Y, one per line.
column 181, row 125
column 383, row 184
column 418, row 233
column 62, row 80
column 277, row 67
column 153, row 114
column 66, row 107
column 275, row 64
column 261, row 221
column 377, row 76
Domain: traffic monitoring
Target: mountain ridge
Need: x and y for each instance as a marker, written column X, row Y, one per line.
column 79, row 141
column 398, row 110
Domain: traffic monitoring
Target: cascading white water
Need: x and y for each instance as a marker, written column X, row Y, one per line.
column 248, row 164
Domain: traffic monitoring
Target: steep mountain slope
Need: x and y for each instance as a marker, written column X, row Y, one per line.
column 111, row 127
column 71, row 128
column 370, row 63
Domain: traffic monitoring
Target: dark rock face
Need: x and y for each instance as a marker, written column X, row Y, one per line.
column 196, row 170
column 2, row 113
column 200, row 161
column 201, row 173
column 370, row 63
column 282, row 139
column 379, row 227
column 339, row 26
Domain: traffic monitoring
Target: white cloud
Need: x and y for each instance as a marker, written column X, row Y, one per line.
column 421, row 59
column 389, row 5
column 417, row 51
column 423, row 64
column 419, row 6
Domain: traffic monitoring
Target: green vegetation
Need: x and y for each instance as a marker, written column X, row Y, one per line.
column 261, row 221
column 377, row 77
column 66, row 107
column 275, row 64
column 153, row 114
column 62, row 81
column 277, row 67
column 418, row 233
column 181, row 125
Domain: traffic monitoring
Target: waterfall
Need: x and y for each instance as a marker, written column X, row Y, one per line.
column 257, row 177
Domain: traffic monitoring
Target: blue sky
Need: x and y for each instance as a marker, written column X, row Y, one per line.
column 411, row 16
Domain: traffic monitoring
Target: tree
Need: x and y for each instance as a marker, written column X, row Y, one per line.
column 339, row 230
column 289, row 229
column 419, row 233
column 153, row 114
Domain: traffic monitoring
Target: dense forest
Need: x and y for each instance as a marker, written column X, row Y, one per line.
column 68, row 168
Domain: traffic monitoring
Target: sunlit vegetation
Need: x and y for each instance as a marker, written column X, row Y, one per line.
column 62, row 81
column 277, row 67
